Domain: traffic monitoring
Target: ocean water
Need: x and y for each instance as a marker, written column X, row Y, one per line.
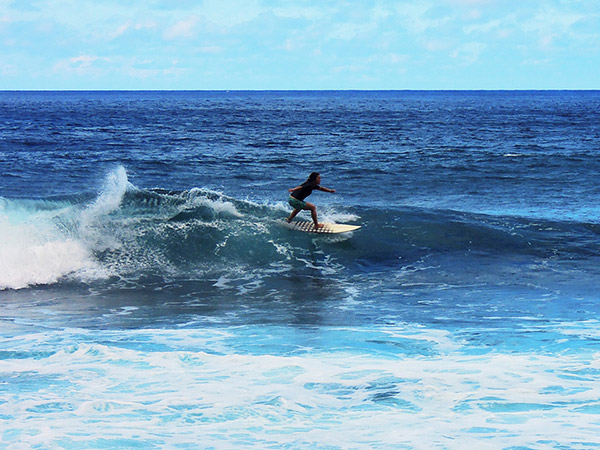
column 151, row 297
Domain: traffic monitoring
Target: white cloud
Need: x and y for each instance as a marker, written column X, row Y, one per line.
column 436, row 44
column 389, row 59
column 552, row 24
column 552, row 21
column 348, row 31
column 414, row 17
column 354, row 68
column 302, row 12
column 120, row 31
column 80, row 65
column 230, row 13
column 211, row 49
column 470, row 2
column 289, row 45
column 9, row 70
column 468, row 53
column 131, row 26
column 184, row 29
column 484, row 27
column 149, row 73
column 85, row 20
column 538, row 62
column 250, row 31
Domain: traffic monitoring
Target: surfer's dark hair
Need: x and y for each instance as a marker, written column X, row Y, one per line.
column 312, row 178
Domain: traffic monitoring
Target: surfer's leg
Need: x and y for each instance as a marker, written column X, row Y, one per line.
column 313, row 212
column 293, row 214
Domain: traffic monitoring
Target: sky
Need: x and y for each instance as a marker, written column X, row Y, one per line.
column 299, row 45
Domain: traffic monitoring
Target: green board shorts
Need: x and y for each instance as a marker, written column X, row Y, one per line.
column 296, row 204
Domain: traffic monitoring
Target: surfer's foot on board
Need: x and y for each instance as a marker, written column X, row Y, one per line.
column 319, row 225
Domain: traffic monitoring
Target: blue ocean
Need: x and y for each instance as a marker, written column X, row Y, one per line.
column 152, row 297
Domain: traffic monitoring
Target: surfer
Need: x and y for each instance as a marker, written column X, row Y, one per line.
column 298, row 194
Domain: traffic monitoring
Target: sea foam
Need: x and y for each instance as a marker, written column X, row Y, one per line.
column 41, row 245
column 28, row 258
column 192, row 388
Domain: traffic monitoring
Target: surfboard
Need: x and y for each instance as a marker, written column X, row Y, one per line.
column 328, row 228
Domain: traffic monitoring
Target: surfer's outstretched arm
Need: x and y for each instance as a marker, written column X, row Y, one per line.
column 324, row 189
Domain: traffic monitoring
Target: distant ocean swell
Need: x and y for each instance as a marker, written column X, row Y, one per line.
column 125, row 232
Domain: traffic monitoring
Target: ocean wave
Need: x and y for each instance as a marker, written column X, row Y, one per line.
column 128, row 233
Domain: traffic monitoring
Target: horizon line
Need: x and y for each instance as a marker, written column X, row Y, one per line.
column 305, row 90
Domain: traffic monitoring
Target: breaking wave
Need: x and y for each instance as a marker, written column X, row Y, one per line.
column 126, row 233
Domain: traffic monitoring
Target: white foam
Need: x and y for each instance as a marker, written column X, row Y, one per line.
column 328, row 214
column 110, row 198
column 35, row 251
column 25, row 259
column 41, row 246
column 220, row 205
column 192, row 389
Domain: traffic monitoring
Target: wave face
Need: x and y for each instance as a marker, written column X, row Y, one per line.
column 126, row 234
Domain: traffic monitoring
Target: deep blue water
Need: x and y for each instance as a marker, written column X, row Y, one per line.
column 151, row 297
